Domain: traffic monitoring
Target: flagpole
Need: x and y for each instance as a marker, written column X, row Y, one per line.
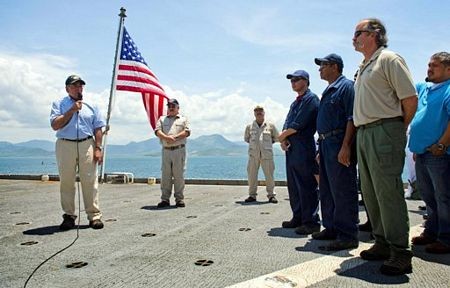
column 122, row 16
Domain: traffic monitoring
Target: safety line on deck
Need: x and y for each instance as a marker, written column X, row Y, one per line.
column 314, row 271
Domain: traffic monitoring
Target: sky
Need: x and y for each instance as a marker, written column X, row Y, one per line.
column 218, row 58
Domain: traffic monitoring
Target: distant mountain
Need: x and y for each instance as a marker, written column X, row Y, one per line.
column 9, row 149
column 41, row 144
column 208, row 145
column 214, row 145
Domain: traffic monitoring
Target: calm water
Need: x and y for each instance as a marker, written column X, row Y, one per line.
column 207, row 167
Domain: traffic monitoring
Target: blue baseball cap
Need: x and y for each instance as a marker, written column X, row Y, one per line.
column 332, row 58
column 299, row 73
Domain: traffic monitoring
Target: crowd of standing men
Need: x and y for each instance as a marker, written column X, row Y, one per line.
column 362, row 122
column 365, row 122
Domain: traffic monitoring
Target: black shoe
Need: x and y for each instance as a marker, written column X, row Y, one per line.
column 68, row 222
column 366, row 227
column 340, row 245
column 325, row 234
column 163, row 204
column 307, row 229
column 273, row 200
column 290, row 224
column 180, row 203
column 250, row 199
column 96, row 224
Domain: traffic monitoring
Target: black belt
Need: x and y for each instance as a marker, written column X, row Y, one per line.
column 331, row 133
column 174, row 147
column 77, row 140
column 381, row 121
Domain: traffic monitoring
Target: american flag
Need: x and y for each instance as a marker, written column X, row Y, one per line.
column 134, row 75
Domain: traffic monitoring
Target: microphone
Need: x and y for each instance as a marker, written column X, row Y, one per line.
column 80, row 97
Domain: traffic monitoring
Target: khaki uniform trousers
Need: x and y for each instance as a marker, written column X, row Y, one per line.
column 66, row 156
column 268, row 167
column 172, row 167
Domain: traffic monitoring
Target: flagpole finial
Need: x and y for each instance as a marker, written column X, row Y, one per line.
column 122, row 12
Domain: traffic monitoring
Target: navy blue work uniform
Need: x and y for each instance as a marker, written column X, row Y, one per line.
column 338, row 189
column 300, row 160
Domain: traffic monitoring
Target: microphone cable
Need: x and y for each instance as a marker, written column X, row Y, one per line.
column 79, row 212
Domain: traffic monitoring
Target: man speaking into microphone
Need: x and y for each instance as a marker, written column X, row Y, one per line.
column 78, row 127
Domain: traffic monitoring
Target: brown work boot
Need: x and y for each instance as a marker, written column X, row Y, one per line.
column 423, row 239
column 96, row 224
column 376, row 252
column 398, row 264
column 250, row 199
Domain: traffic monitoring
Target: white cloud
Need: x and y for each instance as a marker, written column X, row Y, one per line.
column 29, row 84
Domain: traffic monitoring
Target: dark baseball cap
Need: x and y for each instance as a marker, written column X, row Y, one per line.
column 172, row 101
column 299, row 73
column 332, row 58
column 72, row 79
column 258, row 107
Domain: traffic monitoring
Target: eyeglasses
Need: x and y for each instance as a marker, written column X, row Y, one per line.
column 172, row 106
column 295, row 79
column 359, row 32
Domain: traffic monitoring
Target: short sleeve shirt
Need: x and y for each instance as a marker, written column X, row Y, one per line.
column 82, row 124
column 381, row 84
column 173, row 126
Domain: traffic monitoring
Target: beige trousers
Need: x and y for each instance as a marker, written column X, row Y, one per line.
column 173, row 165
column 66, row 156
column 268, row 167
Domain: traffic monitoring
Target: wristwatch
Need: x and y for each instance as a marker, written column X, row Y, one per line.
column 441, row 147
column 99, row 147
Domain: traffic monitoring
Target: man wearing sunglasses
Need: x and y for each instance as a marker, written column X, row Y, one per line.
column 385, row 103
column 172, row 130
column 297, row 140
column 337, row 187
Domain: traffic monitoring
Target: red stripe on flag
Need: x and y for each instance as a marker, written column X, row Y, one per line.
column 154, row 105
column 138, row 79
column 136, row 68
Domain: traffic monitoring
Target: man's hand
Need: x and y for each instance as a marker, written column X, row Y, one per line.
column 344, row 155
column 98, row 156
column 285, row 145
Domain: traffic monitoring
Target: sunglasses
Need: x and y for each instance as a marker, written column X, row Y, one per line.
column 359, row 32
column 295, row 79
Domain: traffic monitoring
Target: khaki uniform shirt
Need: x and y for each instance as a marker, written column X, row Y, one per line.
column 173, row 126
column 260, row 139
column 381, row 84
